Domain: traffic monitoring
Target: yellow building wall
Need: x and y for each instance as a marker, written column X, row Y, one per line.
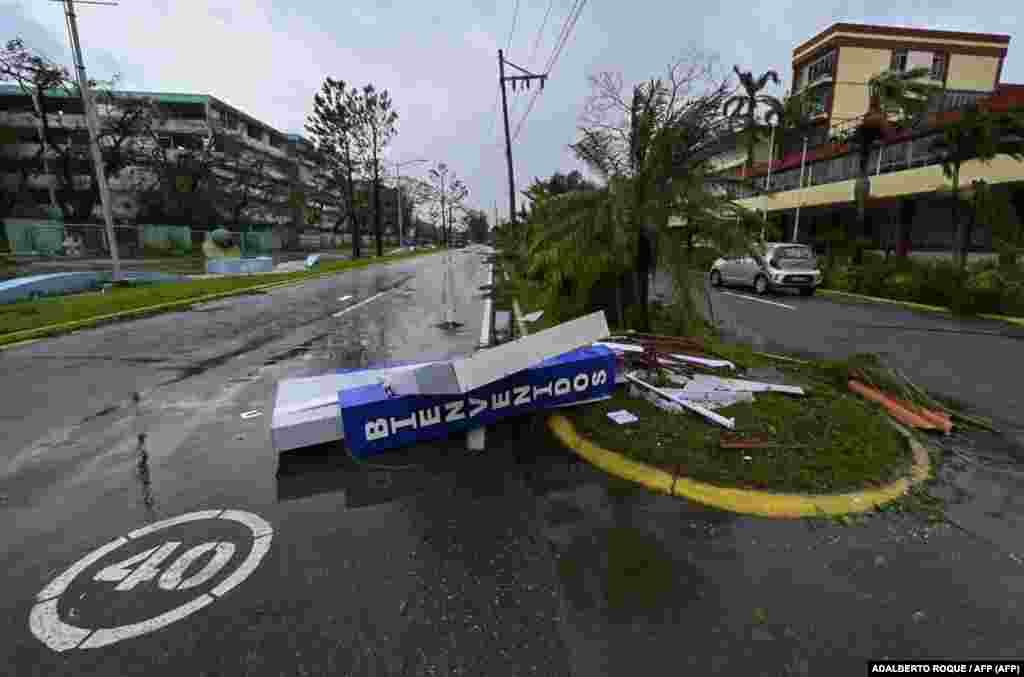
column 967, row 71
column 898, row 40
column 1002, row 169
column 812, row 196
column 856, row 66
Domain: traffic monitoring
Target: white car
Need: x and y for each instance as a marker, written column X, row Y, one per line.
column 772, row 265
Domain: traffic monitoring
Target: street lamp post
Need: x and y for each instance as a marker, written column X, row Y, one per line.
column 398, row 190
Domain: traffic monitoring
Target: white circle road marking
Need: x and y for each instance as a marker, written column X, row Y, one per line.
column 45, row 621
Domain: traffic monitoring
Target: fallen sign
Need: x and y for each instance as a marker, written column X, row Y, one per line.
column 375, row 420
column 460, row 376
column 306, row 410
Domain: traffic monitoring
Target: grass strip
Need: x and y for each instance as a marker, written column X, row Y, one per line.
column 30, row 319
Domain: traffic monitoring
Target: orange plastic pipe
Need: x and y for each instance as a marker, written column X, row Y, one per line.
column 901, row 414
column 938, row 418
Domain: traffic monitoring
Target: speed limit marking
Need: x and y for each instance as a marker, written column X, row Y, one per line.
column 51, row 630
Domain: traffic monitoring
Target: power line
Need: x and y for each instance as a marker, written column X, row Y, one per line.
column 567, row 29
column 576, row 6
column 565, row 40
column 515, row 16
column 540, row 32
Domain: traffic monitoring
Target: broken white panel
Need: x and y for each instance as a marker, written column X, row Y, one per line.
column 707, row 362
column 729, row 423
column 712, row 399
column 704, row 382
column 620, row 347
column 534, row 316
column 622, row 417
column 629, row 348
column 306, row 410
column 751, row 386
column 462, row 375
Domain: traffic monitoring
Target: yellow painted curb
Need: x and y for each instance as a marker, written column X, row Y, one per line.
column 879, row 299
column 747, row 501
column 921, row 306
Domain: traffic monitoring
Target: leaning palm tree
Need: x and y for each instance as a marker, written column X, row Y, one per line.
column 743, row 107
column 896, row 99
column 977, row 134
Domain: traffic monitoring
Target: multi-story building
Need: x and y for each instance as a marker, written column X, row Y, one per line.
column 907, row 183
column 187, row 123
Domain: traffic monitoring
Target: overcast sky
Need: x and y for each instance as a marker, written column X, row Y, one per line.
column 439, row 59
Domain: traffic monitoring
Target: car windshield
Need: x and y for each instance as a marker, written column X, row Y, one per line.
column 801, row 253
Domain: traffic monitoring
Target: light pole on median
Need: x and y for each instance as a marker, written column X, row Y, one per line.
column 398, row 190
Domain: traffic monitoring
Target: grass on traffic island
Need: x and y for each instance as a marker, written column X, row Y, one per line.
column 30, row 319
column 828, row 441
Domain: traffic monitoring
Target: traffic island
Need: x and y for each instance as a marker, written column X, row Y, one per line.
column 824, row 454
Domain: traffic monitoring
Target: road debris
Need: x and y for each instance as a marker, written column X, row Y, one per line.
column 729, row 423
column 704, row 382
column 534, row 316
column 746, row 441
column 899, row 411
column 251, row 414
column 622, row 416
column 460, row 376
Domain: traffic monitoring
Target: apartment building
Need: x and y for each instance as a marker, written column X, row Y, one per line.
column 806, row 194
column 188, row 122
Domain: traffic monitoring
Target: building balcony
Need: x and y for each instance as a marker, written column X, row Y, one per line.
column 897, row 172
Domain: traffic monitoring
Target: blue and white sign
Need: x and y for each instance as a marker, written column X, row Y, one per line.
column 374, row 421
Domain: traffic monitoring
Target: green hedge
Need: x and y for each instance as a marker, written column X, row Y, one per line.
column 987, row 288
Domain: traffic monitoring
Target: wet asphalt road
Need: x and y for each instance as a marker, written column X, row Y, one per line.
column 434, row 561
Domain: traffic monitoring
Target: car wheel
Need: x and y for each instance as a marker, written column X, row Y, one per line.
column 761, row 284
column 807, row 291
column 716, row 278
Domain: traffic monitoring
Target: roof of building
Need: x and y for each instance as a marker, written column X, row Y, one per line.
column 13, row 89
column 901, row 31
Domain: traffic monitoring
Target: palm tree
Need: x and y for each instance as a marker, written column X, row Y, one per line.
column 977, row 134
column 743, row 107
column 792, row 119
column 896, row 99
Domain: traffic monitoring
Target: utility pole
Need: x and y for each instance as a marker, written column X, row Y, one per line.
column 502, row 79
column 93, row 125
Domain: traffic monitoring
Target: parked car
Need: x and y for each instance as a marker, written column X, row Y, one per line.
column 772, row 266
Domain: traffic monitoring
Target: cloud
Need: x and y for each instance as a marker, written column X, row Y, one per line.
column 438, row 60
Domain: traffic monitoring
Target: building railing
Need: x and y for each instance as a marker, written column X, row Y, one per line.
column 895, row 157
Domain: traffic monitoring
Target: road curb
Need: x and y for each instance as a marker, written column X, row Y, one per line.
column 919, row 306
column 744, row 501
column 27, row 336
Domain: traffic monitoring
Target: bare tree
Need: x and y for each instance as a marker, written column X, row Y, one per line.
column 334, row 128
column 446, row 192
column 375, row 128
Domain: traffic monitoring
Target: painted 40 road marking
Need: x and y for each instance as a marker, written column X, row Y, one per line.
column 51, row 630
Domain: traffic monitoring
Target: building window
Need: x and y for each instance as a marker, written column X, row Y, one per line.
column 899, row 60
column 821, row 67
column 938, row 71
column 229, row 121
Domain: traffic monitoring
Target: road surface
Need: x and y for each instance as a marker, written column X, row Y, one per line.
column 517, row 561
